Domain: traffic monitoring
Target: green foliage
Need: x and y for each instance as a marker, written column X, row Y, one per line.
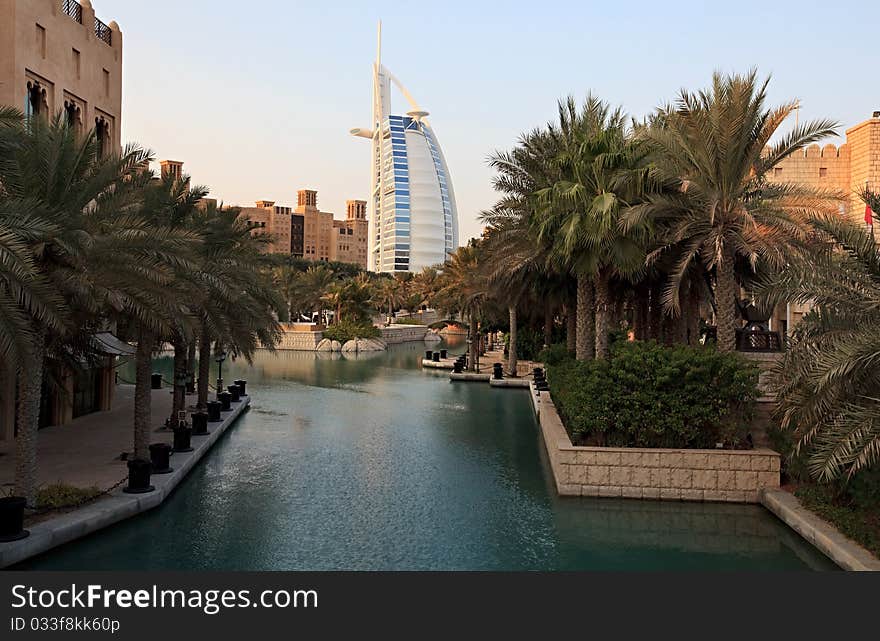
column 828, row 379
column 648, row 395
column 408, row 321
column 856, row 520
column 60, row 495
column 554, row 354
column 345, row 331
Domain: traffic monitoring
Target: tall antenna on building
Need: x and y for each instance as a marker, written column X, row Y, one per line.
column 379, row 44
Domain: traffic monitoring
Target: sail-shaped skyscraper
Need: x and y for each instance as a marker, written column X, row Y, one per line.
column 413, row 219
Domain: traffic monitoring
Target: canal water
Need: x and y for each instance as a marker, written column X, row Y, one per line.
column 371, row 463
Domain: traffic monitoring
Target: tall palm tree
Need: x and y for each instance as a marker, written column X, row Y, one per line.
column 517, row 260
column 829, row 377
column 100, row 258
column 237, row 304
column 715, row 144
column 603, row 172
column 465, row 290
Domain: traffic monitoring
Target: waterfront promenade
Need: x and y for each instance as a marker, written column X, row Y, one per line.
column 86, row 452
column 57, row 528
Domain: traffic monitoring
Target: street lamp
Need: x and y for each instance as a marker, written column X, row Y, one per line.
column 220, row 357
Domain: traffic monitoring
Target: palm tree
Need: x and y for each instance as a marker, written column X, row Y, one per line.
column 829, row 377
column 237, row 305
column 714, row 145
column 100, row 258
column 517, row 260
column 465, row 290
column 603, row 172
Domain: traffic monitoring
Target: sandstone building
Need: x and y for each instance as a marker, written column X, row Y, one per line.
column 312, row 234
column 846, row 169
column 56, row 55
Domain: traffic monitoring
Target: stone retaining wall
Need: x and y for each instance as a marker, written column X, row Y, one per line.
column 303, row 341
column 668, row 474
column 403, row 333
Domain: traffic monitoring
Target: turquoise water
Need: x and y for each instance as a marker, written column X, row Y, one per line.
column 374, row 464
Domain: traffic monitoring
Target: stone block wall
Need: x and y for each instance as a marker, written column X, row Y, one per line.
column 667, row 474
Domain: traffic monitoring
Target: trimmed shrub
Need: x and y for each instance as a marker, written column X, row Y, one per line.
column 649, row 395
column 555, row 354
column 346, row 331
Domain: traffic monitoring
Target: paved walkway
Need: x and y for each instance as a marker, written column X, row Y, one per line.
column 85, row 452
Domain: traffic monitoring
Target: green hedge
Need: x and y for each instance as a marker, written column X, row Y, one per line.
column 346, row 331
column 649, row 395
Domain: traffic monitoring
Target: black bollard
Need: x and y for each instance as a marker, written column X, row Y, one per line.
column 242, row 386
column 457, row 367
column 538, row 372
column 183, row 438
column 156, row 381
column 428, row 354
column 200, row 424
column 497, row 371
column 435, row 357
column 214, row 411
column 12, row 518
column 443, row 353
column 139, row 477
column 234, row 391
column 159, row 455
column 225, row 399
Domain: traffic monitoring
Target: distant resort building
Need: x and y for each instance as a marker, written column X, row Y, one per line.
column 413, row 220
column 311, row 234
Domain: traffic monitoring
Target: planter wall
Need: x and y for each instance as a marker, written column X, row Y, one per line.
column 734, row 476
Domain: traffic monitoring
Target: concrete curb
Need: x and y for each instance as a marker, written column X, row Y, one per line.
column 470, row 376
column 510, row 382
column 848, row 554
column 118, row 505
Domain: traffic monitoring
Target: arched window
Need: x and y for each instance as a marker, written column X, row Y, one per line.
column 102, row 134
column 73, row 115
column 35, row 102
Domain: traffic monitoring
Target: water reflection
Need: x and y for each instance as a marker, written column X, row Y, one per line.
column 374, row 463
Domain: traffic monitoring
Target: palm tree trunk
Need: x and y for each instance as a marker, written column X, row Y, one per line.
column 30, row 386
column 655, row 315
column 191, row 362
column 178, row 402
column 693, row 315
column 475, row 339
column 603, row 326
column 511, row 350
column 571, row 327
column 142, row 398
column 204, row 366
column 586, row 340
column 548, row 324
column 725, row 292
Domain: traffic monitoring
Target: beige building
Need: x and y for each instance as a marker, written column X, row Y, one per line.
column 846, row 169
column 312, row 234
column 56, row 55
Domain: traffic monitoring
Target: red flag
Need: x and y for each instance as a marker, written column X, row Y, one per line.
column 869, row 215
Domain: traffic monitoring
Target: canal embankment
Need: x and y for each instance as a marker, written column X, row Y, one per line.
column 115, row 505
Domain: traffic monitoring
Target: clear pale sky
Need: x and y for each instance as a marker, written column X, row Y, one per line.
column 257, row 97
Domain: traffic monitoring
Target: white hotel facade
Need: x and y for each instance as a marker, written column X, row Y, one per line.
column 413, row 218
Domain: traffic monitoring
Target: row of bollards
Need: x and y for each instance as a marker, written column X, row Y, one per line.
column 436, row 356
column 139, row 470
column 460, row 364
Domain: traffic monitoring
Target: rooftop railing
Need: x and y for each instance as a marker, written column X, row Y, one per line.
column 103, row 32
column 73, row 9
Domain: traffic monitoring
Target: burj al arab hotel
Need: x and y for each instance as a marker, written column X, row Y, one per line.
column 413, row 220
